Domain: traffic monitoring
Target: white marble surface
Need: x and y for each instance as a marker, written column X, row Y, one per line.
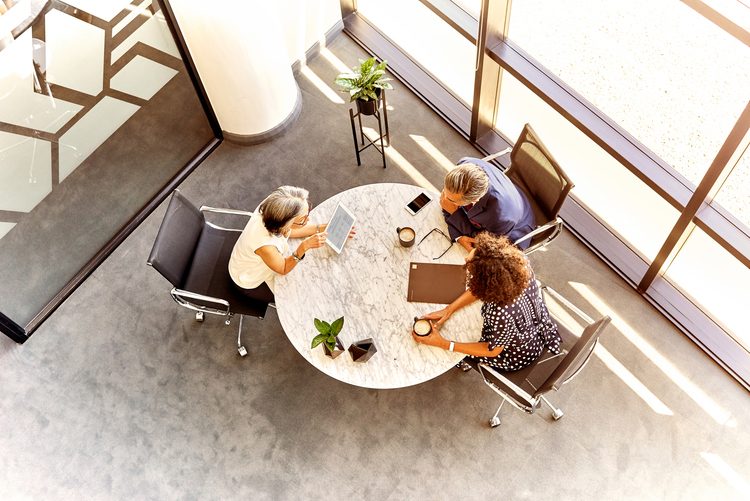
column 367, row 284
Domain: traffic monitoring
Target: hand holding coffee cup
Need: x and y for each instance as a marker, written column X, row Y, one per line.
column 421, row 327
column 406, row 236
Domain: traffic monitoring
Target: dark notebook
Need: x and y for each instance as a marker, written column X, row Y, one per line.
column 435, row 282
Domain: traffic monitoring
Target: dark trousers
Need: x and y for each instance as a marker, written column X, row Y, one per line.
column 261, row 293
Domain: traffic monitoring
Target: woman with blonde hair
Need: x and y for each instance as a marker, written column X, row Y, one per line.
column 516, row 324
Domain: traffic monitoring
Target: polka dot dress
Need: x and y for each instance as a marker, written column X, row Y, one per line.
column 523, row 328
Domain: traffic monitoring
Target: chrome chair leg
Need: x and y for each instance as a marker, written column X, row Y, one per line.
column 199, row 316
column 495, row 420
column 557, row 413
column 241, row 349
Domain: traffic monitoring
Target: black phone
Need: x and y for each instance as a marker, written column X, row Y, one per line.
column 416, row 205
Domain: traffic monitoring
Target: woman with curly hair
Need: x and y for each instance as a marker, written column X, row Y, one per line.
column 517, row 326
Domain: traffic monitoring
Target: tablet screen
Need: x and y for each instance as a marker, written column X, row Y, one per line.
column 338, row 228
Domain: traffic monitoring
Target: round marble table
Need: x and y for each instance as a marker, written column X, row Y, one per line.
column 367, row 285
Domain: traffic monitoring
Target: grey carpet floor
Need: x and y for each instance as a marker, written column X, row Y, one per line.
column 121, row 395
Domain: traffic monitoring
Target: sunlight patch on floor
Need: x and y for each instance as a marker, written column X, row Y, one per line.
column 574, row 323
column 402, row 163
column 700, row 397
column 727, row 472
column 337, row 63
column 319, row 84
column 633, row 382
column 431, row 150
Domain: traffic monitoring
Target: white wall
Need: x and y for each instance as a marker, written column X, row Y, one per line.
column 307, row 22
column 243, row 51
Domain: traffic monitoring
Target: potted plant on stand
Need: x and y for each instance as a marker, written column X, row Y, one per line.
column 327, row 336
column 365, row 84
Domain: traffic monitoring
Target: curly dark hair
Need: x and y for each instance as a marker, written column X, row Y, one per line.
column 499, row 272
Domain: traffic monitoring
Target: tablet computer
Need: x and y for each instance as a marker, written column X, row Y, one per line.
column 338, row 228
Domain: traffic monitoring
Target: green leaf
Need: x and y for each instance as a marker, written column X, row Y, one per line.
column 336, row 326
column 318, row 339
column 320, row 326
column 362, row 81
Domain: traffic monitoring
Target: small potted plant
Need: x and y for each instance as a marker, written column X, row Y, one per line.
column 364, row 84
column 328, row 336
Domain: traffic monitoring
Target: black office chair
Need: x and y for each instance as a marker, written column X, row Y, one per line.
column 193, row 254
column 535, row 172
column 525, row 389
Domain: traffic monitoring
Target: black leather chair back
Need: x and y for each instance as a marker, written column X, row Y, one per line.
column 177, row 239
column 537, row 173
column 576, row 358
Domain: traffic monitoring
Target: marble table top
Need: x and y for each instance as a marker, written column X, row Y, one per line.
column 367, row 285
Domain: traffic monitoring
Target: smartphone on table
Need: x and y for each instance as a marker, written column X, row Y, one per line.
column 418, row 203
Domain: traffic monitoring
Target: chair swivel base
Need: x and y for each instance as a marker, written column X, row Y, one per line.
column 557, row 413
column 199, row 317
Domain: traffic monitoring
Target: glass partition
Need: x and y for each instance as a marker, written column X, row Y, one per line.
column 97, row 115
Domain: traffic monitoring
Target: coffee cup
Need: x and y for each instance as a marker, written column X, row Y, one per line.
column 421, row 327
column 406, row 236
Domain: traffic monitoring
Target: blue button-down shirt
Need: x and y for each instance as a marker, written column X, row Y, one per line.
column 503, row 210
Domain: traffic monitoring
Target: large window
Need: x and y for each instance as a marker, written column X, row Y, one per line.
column 667, row 75
column 629, row 207
column 448, row 56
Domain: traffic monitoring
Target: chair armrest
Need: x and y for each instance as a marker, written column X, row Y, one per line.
column 552, row 292
column 498, row 154
column 183, row 298
column 219, row 210
column 538, row 230
column 236, row 212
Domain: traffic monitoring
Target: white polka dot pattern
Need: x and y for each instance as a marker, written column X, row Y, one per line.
column 523, row 328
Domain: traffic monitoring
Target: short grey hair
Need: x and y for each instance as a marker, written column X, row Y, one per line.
column 468, row 180
column 282, row 205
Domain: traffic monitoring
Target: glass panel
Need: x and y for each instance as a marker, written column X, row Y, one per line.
column 623, row 202
column 663, row 72
column 715, row 281
column 472, row 7
column 93, row 122
column 736, row 10
column 734, row 194
column 428, row 40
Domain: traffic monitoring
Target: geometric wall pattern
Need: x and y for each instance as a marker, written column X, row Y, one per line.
column 67, row 83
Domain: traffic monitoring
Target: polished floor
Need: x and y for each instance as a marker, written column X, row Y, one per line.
column 121, row 395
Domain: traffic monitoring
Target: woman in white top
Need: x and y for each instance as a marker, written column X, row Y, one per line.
column 260, row 252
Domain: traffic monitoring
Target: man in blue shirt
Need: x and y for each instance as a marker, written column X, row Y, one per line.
column 478, row 197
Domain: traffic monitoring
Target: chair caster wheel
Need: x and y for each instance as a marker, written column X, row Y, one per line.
column 494, row 422
column 242, row 351
column 557, row 414
column 227, row 321
column 199, row 316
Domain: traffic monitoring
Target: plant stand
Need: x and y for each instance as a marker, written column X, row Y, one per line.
column 381, row 103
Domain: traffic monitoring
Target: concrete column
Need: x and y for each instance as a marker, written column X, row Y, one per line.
column 241, row 55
